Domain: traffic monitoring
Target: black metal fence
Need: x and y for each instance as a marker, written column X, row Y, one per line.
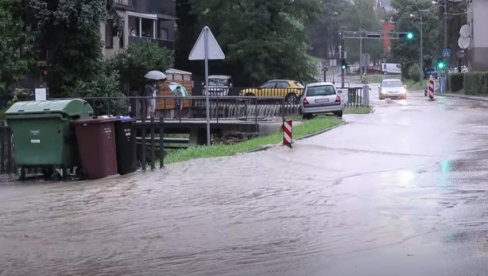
column 7, row 164
column 355, row 96
column 194, row 107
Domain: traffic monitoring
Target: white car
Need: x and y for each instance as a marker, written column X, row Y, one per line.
column 392, row 88
column 321, row 97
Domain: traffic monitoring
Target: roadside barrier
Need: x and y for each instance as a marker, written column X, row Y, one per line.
column 287, row 133
column 431, row 88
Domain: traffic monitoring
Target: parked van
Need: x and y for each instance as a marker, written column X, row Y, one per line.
column 391, row 68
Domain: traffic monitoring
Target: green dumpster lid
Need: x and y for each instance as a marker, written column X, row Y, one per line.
column 72, row 108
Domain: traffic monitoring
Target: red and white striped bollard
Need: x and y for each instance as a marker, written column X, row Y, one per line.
column 287, row 133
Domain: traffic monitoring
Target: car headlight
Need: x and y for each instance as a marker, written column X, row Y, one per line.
column 403, row 91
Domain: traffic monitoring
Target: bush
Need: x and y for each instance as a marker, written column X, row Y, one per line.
column 106, row 87
column 476, row 83
column 414, row 72
column 456, row 81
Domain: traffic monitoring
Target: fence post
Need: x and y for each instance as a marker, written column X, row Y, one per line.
column 161, row 141
column 153, row 157
column 143, row 144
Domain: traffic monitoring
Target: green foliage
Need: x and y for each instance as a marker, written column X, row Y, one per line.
column 362, row 16
column 476, row 83
column 104, row 85
column 14, row 37
column 69, row 31
column 261, row 39
column 134, row 62
column 456, row 81
column 407, row 52
column 414, row 72
column 323, row 32
column 306, row 128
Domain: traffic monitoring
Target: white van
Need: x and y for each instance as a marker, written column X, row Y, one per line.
column 391, row 68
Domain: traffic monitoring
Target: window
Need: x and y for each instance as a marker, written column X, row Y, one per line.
column 282, row 84
column 325, row 90
column 163, row 31
column 147, row 27
column 109, row 37
column 269, row 84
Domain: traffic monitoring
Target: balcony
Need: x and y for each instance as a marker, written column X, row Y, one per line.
column 161, row 43
column 124, row 4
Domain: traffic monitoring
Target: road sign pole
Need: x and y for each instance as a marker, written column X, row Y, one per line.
column 207, row 97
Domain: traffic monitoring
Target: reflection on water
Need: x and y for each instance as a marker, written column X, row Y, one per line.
column 444, row 179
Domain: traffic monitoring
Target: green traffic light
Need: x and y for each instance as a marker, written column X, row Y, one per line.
column 409, row 36
column 441, row 65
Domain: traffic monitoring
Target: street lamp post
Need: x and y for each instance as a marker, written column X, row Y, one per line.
column 421, row 30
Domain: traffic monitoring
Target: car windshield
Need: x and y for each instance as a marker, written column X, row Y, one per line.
column 393, row 83
column 217, row 82
column 324, row 90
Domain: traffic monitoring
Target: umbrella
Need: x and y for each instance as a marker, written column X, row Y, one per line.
column 155, row 75
column 174, row 85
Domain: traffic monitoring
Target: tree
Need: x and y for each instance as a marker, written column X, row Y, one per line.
column 15, row 61
column 407, row 53
column 69, row 32
column 359, row 16
column 261, row 39
column 134, row 62
column 323, row 32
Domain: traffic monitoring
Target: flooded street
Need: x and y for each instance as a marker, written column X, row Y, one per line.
column 402, row 191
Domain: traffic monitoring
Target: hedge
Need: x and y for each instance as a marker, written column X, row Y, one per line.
column 476, row 83
column 456, row 82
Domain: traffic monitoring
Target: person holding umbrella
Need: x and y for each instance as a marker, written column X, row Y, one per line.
column 150, row 90
column 178, row 94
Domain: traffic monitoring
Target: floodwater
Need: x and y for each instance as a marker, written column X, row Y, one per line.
column 402, row 191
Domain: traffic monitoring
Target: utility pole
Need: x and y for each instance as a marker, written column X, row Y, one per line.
column 446, row 59
column 421, row 47
column 342, row 56
column 361, row 53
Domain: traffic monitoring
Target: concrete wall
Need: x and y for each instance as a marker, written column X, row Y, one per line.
column 478, row 20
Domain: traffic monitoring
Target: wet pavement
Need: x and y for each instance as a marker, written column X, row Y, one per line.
column 402, row 191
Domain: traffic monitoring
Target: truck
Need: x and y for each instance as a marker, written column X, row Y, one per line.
column 219, row 85
column 391, row 68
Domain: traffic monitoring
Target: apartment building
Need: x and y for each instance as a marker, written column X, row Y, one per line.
column 143, row 21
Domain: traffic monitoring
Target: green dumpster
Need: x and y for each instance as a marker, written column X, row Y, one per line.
column 43, row 134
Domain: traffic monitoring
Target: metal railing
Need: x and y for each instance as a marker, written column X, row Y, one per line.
column 194, row 107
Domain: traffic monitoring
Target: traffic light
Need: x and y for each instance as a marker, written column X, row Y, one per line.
column 441, row 64
column 344, row 64
column 406, row 36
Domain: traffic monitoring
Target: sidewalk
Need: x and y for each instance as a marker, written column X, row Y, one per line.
column 465, row 97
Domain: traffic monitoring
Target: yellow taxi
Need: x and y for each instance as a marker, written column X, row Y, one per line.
column 289, row 89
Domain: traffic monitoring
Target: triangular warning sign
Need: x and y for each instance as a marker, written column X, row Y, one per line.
column 214, row 51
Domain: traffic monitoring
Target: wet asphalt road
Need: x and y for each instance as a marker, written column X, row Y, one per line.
column 402, row 191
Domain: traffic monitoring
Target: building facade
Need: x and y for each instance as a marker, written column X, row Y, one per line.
column 143, row 21
column 477, row 20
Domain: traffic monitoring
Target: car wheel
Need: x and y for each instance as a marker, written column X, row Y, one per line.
column 307, row 116
column 338, row 113
column 291, row 98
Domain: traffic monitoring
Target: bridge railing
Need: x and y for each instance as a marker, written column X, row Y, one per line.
column 193, row 107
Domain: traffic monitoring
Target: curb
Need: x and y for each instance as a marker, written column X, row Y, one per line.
column 464, row 97
column 264, row 148
column 322, row 131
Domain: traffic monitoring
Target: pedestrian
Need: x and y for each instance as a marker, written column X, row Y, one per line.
column 150, row 92
column 178, row 94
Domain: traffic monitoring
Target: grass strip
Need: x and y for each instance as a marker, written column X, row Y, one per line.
column 306, row 128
